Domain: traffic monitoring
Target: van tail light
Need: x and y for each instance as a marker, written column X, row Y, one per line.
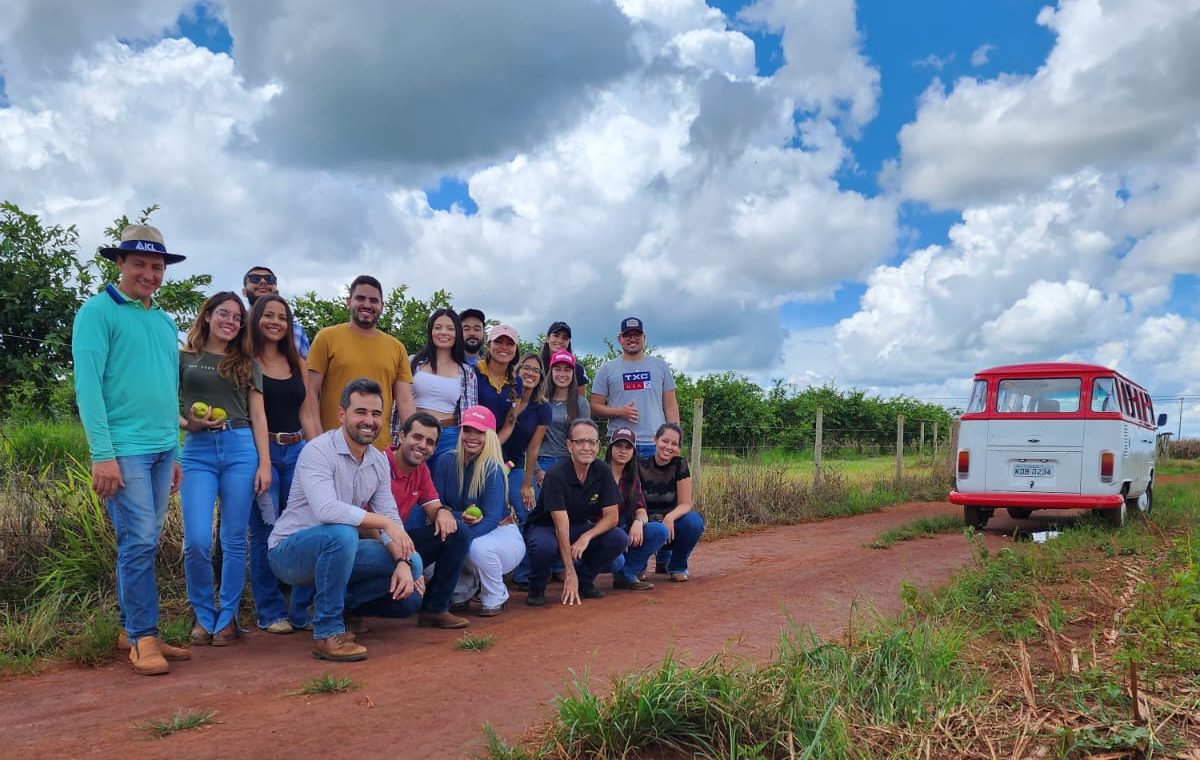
column 964, row 463
column 1106, row 466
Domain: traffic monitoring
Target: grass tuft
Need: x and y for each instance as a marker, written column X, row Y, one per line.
column 926, row 527
column 326, row 683
column 182, row 720
column 470, row 642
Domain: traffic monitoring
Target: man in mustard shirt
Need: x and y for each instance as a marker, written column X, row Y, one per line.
column 356, row 349
column 126, row 354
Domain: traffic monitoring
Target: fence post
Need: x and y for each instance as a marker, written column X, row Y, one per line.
column 817, row 445
column 697, row 446
column 935, row 440
column 899, row 447
column 921, row 447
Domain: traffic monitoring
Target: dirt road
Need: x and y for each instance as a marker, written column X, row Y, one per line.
column 422, row 698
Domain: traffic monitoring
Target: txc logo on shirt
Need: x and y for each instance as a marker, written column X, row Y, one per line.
column 637, row 381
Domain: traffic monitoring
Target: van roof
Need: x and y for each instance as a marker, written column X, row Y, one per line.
column 1037, row 368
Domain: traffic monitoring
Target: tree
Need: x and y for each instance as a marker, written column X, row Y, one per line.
column 42, row 285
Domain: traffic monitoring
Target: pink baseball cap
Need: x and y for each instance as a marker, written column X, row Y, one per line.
column 562, row 357
column 478, row 418
column 503, row 329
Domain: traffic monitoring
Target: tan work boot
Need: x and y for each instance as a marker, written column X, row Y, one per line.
column 168, row 651
column 338, row 648
column 441, row 620
column 147, row 657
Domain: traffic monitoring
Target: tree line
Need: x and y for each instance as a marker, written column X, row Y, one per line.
column 44, row 279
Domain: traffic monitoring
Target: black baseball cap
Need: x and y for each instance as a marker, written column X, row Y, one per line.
column 631, row 323
column 469, row 313
column 562, row 327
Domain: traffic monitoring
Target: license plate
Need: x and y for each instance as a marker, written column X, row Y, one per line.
column 1033, row 470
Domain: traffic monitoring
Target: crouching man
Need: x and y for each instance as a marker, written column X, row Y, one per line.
column 574, row 492
column 316, row 541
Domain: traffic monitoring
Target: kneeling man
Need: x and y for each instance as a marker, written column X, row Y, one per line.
column 574, row 492
column 316, row 541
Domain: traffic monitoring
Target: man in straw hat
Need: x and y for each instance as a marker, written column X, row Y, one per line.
column 126, row 353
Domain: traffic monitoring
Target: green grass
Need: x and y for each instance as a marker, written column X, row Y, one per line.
column 181, row 720
column 925, row 527
column 326, row 683
column 470, row 642
column 42, row 445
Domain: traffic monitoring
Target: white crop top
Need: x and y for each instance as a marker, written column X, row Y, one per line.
column 436, row 393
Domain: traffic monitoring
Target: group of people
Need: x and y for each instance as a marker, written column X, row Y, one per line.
column 359, row 479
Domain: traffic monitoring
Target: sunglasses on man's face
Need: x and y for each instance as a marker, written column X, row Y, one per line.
column 254, row 279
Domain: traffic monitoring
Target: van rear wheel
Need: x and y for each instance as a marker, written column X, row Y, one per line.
column 1019, row 513
column 1143, row 503
column 976, row 517
column 1114, row 517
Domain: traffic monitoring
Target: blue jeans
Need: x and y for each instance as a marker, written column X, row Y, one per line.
column 346, row 571
column 268, row 599
column 516, row 477
column 645, row 450
column 688, row 530
column 223, row 464
column 447, row 441
column 542, row 549
column 137, row 512
column 446, row 557
column 634, row 561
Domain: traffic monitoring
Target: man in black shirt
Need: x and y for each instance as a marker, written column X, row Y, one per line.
column 573, row 492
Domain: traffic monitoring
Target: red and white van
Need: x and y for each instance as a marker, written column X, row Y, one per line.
column 1055, row 436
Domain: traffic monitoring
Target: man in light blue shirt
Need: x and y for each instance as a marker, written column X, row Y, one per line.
column 126, row 355
column 636, row 388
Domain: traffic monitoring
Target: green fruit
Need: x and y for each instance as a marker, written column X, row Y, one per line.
column 472, row 511
column 200, row 410
column 217, row 414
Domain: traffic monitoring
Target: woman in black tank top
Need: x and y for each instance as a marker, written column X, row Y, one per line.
column 290, row 423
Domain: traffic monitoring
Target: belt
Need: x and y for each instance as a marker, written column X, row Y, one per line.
column 229, row 425
column 285, row 439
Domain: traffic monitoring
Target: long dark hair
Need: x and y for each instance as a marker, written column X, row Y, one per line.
column 258, row 341
column 631, row 477
column 237, row 366
column 428, row 352
column 546, row 345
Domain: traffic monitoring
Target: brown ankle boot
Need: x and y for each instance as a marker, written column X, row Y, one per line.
column 147, row 657
column 441, row 620
column 339, row 647
column 168, row 651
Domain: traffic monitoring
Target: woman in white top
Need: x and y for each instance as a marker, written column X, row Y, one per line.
column 443, row 383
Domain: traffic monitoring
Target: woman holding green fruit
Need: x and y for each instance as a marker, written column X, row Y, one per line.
column 472, row 482
column 224, row 455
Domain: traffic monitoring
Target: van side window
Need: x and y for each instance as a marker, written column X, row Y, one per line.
column 1102, row 395
column 978, row 397
column 1055, row 395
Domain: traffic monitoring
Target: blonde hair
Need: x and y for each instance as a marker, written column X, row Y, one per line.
column 489, row 459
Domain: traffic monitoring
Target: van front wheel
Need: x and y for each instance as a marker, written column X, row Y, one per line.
column 1114, row 517
column 976, row 517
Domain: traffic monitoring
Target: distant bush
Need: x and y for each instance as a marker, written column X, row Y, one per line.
column 1185, row 448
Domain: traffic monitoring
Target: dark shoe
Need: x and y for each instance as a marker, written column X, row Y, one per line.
column 338, row 648
column 226, row 636
column 147, row 657
column 460, row 606
column 200, row 636
column 355, row 623
column 491, row 611
column 660, row 569
column 441, row 620
column 641, row 576
column 536, row 597
column 590, row 592
column 634, row 585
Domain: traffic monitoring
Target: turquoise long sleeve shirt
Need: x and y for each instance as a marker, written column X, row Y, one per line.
column 126, row 376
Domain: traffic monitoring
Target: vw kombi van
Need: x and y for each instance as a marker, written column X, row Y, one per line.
column 1055, row 436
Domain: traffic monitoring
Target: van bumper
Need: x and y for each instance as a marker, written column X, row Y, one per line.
column 1038, row 500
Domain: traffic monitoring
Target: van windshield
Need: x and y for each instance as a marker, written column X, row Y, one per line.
column 1054, row 395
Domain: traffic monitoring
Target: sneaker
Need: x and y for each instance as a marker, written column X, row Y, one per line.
column 338, row 648
column 168, row 651
column 679, row 576
column 536, row 597
column 590, row 592
column 441, row 620
column 226, row 636
column 200, row 636
column 634, row 585
column 147, row 658
column 280, row 628
column 491, row 611
column 460, row 606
